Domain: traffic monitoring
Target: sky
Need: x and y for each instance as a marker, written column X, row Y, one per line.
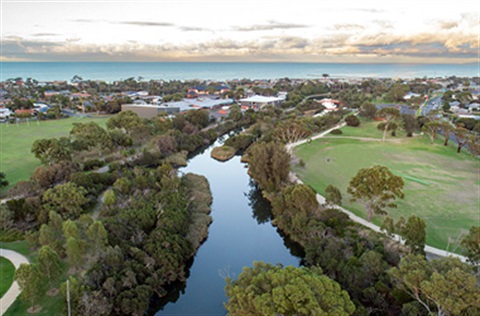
column 241, row 31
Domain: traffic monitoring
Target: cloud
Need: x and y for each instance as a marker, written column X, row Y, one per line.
column 271, row 25
column 143, row 23
column 447, row 25
column 45, row 34
column 348, row 27
column 192, row 29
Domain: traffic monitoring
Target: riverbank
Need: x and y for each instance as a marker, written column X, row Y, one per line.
column 432, row 251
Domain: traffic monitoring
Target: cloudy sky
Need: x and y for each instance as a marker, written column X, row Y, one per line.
column 248, row 30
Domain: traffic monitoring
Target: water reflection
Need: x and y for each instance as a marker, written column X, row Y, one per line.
column 261, row 208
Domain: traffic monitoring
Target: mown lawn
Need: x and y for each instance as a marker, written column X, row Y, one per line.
column 7, row 271
column 16, row 141
column 441, row 187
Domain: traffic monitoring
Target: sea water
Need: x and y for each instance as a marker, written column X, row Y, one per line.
column 113, row 71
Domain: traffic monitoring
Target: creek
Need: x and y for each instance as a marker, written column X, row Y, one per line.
column 241, row 233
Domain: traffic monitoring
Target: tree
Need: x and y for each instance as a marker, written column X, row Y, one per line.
column 472, row 244
column 73, row 251
column 334, row 196
column 432, row 128
column 235, row 113
column 352, row 120
column 52, row 150
column 90, row 135
column 272, row 290
column 30, row 281
column 445, row 286
column 389, row 115
column 413, row 231
column 3, row 180
column 49, row 263
column 97, row 234
column 396, row 92
column 368, row 110
column 447, row 130
column 269, row 165
column 461, row 136
column 409, row 124
column 377, row 187
column 67, row 199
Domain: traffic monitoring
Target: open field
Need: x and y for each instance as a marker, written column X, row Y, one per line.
column 441, row 187
column 7, row 270
column 16, row 141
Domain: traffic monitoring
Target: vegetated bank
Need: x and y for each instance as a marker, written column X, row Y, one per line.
column 440, row 185
column 376, row 271
column 120, row 234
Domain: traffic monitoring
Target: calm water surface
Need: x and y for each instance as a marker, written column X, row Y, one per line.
column 241, row 233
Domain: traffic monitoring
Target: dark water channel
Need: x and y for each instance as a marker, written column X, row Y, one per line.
column 241, row 233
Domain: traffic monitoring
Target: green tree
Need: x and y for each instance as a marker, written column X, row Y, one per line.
column 49, row 263
column 352, row 120
column 3, row 180
column 413, row 231
column 31, row 282
column 334, row 196
column 409, row 124
column 471, row 242
column 73, row 251
column 52, row 150
column 447, row 130
column 89, row 135
column 461, row 135
column 389, row 115
column 368, row 110
column 272, row 290
column 269, row 165
column 66, row 199
column 235, row 113
column 445, row 286
column 432, row 128
column 98, row 237
column 376, row 187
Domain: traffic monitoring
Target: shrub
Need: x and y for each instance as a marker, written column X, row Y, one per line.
column 336, row 132
column 352, row 120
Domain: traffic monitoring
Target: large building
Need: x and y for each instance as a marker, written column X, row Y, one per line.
column 258, row 101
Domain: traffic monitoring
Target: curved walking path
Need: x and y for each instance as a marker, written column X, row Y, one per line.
column 12, row 293
column 429, row 251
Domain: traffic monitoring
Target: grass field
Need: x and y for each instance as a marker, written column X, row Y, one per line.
column 7, row 271
column 441, row 186
column 16, row 141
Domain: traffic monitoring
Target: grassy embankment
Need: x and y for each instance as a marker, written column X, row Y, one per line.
column 7, row 270
column 441, row 186
column 18, row 163
column 16, row 141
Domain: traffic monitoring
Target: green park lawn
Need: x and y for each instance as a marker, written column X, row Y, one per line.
column 16, row 141
column 7, row 271
column 441, row 186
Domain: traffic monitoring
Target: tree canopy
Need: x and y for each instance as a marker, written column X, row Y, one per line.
column 266, row 289
column 377, row 187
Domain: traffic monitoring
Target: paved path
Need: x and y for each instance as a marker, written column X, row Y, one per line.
column 432, row 251
column 12, row 293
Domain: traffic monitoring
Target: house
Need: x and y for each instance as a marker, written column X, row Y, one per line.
column 259, row 101
column 410, row 95
column 330, row 104
column 473, row 106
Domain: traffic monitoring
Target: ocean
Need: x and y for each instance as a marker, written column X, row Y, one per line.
column 112, row 71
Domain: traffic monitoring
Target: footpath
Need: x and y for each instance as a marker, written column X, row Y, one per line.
column 431, row 252
column 12, row 293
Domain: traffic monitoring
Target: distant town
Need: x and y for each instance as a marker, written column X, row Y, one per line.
column 27, row 98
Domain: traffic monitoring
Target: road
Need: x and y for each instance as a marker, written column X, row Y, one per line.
column 12, row 293
column 433, row 104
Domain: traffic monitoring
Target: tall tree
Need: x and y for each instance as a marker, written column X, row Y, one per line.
column 52, row 150
column 269, row 165
column 389, row 115
column 368, row 110
column 376, row 187
column 445, row 286
column 49, row 264
column 67, row 199
column 472, row 244
column 413, row 231
column 432, row 128
column 447, row 130
column 31, row 282
column 461, row 136
column 272, row 290
column 334, row 196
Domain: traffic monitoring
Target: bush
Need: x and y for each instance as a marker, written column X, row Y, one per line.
column 336, row 132
column 352, row 120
